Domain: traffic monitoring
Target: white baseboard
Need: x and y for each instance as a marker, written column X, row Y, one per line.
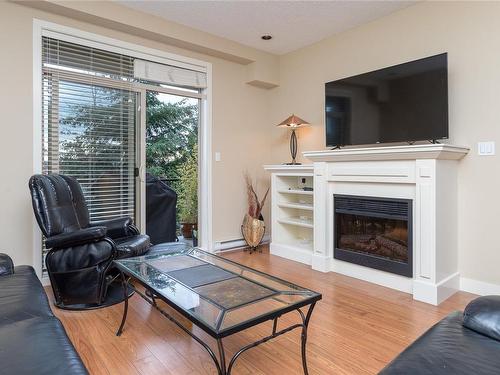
column 291, row 252
column 435, row 293
column 320, row 263
column 481, row 288
column 448, row 286
column 238, row 243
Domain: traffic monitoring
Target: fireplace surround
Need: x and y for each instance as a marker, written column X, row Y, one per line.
column 374, row 232
column 425, row 174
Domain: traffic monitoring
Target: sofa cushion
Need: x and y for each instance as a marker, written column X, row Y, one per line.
column 6, row 265
column 38, row 346
column 22, row 296
column 448, row 348
column 483, row 315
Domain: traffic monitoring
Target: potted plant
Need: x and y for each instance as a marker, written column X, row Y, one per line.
column 253, row 227
column 188, row 194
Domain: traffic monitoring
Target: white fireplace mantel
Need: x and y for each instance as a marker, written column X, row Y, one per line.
column 413, row 152
column 426, row 174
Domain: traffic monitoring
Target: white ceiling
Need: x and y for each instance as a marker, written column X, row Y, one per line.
column 293, row 24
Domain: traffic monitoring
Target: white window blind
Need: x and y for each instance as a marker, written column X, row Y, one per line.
column 89, row 121
column 169, row 75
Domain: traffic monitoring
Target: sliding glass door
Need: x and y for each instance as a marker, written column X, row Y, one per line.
column 172, row 124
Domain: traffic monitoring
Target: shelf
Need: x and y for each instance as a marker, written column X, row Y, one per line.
column 297, row 222
column 292, row 237
column 296, row 191
column 300, row 206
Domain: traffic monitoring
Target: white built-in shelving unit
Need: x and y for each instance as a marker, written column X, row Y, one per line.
column 292, row 211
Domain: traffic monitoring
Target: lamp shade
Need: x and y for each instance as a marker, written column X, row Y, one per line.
column 293, row 122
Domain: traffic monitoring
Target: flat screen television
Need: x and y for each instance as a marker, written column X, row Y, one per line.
column 402, row 103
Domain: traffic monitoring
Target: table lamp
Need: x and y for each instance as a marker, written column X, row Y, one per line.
column 293, row 122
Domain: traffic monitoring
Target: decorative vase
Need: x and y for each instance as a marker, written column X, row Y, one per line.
column 253, row 231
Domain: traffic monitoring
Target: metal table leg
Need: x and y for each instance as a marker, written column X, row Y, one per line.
column 222, row 357
column 305, row 321
column 303, row 326
column 125, row 306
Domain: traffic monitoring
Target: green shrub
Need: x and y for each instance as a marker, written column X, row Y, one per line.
column 188, row 189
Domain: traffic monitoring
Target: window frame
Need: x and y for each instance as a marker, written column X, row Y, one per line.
column 69, row 34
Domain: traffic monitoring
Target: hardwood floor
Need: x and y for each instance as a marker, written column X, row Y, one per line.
column 357, row 328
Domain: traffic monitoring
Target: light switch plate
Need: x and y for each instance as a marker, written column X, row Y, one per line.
column 217, row 156
column 486, row 148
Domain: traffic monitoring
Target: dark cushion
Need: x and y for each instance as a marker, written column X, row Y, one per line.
column 448, row 348
column 6, row 265
column 117, row 228
column 32, row 340
column 132, row 246
column 58, row 204
column 79, row 257
column 76, row 237
column 38, row 346
column 18, row 270
column 483, row 315
column 22, row 297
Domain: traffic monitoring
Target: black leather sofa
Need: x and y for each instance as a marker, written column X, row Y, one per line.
column 32, row 339
column 462, row 343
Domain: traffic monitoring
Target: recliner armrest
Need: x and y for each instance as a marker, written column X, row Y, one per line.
column 77, row 237
column 118, row 228
column 6, row 265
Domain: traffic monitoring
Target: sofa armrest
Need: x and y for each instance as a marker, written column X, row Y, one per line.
column 77, row 237
column 483, row 316
column 6, row 265
column 118, row 228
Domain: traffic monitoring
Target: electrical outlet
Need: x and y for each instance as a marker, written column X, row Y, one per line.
column 486, row 148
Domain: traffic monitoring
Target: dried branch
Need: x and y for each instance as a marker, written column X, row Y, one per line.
column 254, row 206
column 253, row 202
column 261, row 204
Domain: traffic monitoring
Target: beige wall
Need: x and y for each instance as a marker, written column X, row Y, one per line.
column 469, row 32
column 239, row 129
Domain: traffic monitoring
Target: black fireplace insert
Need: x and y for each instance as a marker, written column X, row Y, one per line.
column 374, row 232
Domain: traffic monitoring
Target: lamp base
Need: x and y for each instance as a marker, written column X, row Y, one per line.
column 292, row 163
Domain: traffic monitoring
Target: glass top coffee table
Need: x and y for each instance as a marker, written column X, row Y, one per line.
column 220, row 296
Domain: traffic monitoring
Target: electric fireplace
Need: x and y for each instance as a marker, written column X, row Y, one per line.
column 374, row 232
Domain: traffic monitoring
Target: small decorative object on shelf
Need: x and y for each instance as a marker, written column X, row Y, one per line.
column 253, row 227
column 293, row 122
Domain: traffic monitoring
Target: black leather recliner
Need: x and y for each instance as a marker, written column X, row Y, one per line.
column 81, row 252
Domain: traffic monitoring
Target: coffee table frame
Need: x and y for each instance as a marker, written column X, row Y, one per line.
column 220, row 360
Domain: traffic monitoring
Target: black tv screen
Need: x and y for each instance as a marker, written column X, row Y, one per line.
column 403, row 103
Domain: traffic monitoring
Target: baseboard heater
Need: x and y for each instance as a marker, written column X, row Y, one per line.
column 235, row 243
